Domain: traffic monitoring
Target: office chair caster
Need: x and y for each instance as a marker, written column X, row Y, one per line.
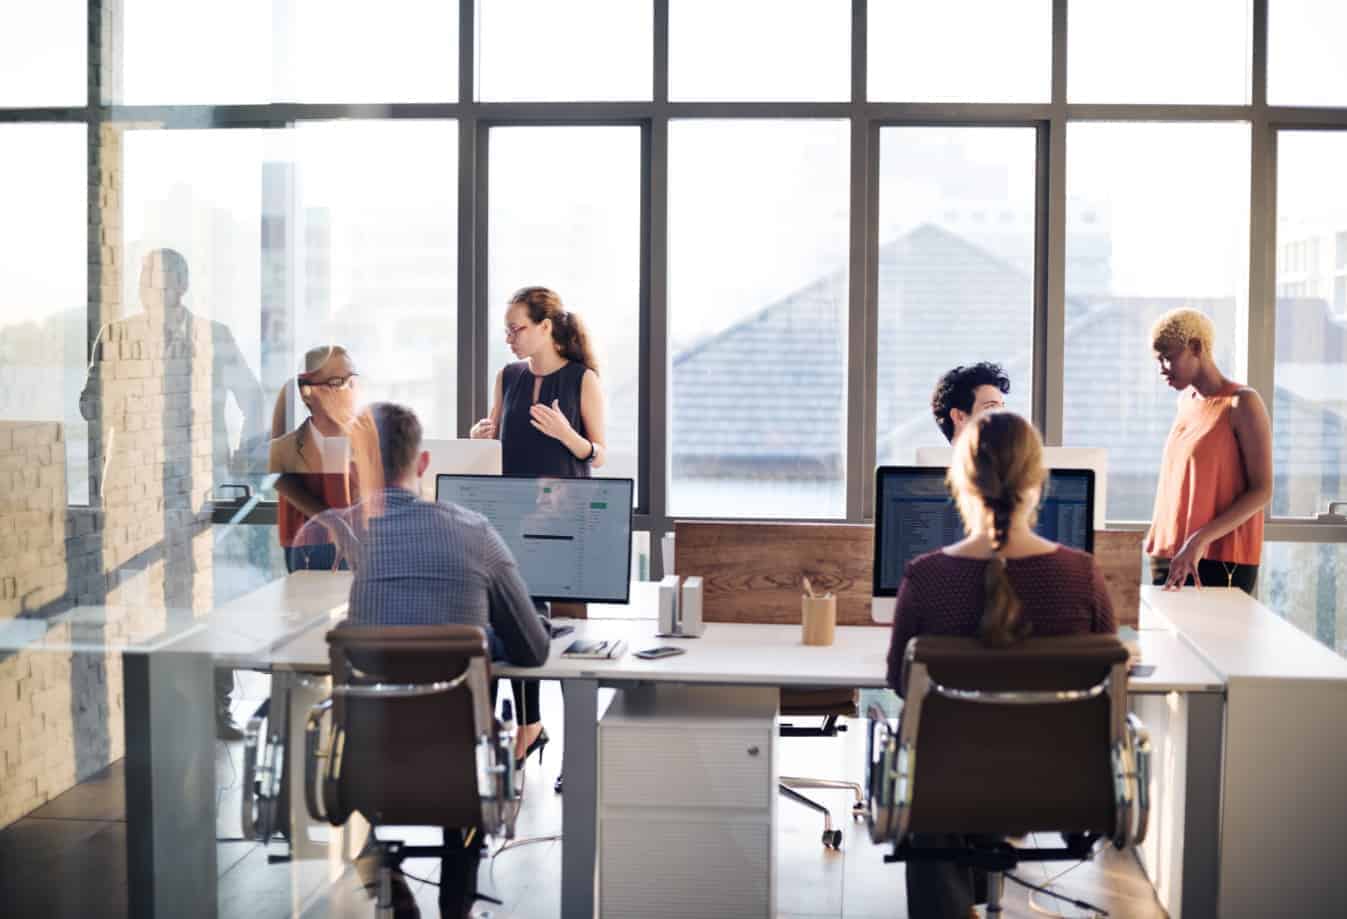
column 832, row 839
column 858, row 811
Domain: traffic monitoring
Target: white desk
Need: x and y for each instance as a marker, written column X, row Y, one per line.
column 1280, row 798
column 169, row 697
column 280, row 626
column 726, row 654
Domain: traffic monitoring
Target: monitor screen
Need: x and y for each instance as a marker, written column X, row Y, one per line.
column 914, row 514
column 571, row 537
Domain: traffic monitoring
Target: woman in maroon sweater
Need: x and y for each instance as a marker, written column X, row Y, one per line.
column 1003, row 582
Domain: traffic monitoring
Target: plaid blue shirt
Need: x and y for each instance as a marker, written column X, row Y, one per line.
column 425, row 563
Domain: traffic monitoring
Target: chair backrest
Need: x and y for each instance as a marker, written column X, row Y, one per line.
column 407, row 751
column 1016, row 740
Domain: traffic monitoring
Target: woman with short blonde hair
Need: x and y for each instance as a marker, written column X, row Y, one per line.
column 1216, row 471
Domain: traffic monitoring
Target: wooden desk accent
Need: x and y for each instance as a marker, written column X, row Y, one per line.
column 1119, row 554
column 751, row 571
column 564, row 610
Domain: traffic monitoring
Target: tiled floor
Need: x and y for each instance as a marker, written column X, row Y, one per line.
column 69, row 857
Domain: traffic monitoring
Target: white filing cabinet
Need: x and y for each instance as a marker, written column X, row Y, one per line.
column 687, row 803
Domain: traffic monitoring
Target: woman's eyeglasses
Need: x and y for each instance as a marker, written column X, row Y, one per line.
column 333, row 384
column 512, row 331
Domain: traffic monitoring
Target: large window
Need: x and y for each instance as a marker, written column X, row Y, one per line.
column 287, row 253
column 1157, row 218
column 175, row 53
column 546, row 51
column 759, row 50
column 1156, row 51
column 777, row 253
column 960, row 51
column 758, row 318
column 1305, row 64
column 1305, row 582
column 566, row 214
column 336, row 233
column 43, row 297
column 956, row 271
column 44, row 53
column 1309, row 418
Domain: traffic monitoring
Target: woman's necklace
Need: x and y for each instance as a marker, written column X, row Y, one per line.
column 1230, row 569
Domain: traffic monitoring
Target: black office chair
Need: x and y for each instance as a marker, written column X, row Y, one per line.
column 1003, row 742
column 831, row 705
column 265, row 783
column 412, row 741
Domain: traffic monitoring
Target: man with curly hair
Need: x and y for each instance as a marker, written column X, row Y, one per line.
column 966, row 392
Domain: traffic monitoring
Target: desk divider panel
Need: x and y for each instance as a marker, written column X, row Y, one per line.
column 1119, row 554
column 751, row 571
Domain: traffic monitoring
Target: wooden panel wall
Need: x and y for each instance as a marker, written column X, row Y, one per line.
column 752, row 570
column 1119, row 554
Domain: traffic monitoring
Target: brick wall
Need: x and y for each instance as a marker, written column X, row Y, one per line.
column 56, row 706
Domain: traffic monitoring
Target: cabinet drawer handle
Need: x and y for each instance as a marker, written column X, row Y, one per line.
column 753, row 751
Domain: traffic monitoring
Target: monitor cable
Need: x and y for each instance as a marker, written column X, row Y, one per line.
column 1094, row 911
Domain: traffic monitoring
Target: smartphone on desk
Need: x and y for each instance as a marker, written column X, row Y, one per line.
column 654, row 654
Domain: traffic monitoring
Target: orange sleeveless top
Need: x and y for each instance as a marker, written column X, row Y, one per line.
column 1201, row 474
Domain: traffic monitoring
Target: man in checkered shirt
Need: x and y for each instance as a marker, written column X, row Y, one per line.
column 419, row 562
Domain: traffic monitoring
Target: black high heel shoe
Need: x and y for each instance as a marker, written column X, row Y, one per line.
column 538, row 744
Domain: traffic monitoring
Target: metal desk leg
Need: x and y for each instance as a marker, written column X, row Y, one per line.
column 170, row 784
column 579, row 804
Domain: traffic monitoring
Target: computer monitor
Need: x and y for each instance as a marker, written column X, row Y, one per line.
column 1095, row 458
column 571, row 536
column 914, row 514
column 459, row 457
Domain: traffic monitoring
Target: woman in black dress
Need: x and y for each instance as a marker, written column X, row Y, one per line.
column 547, row 411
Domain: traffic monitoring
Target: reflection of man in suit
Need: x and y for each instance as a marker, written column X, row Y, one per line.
column 163, row 282
column 155, row 382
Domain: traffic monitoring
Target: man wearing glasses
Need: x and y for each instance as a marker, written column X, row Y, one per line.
column 314, row 460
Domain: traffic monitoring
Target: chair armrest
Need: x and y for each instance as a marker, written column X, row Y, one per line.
column 496, row 787
column 1140, row 739
column 314, row 800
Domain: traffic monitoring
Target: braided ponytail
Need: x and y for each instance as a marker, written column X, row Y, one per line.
column 1001, row 624
column 997, row 460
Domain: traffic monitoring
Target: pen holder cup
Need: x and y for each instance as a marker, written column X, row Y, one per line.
column 819, row 619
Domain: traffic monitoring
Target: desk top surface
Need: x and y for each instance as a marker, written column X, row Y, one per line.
column 1241, row 638
column 283, row 625
column 759, row 655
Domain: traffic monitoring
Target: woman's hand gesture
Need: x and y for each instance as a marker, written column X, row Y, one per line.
column 550, row 420
column 1184, row 562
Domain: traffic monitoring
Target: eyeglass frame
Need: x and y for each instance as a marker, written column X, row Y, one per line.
column 331, row 384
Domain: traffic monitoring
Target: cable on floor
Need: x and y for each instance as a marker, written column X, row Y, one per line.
column 1081, row 904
